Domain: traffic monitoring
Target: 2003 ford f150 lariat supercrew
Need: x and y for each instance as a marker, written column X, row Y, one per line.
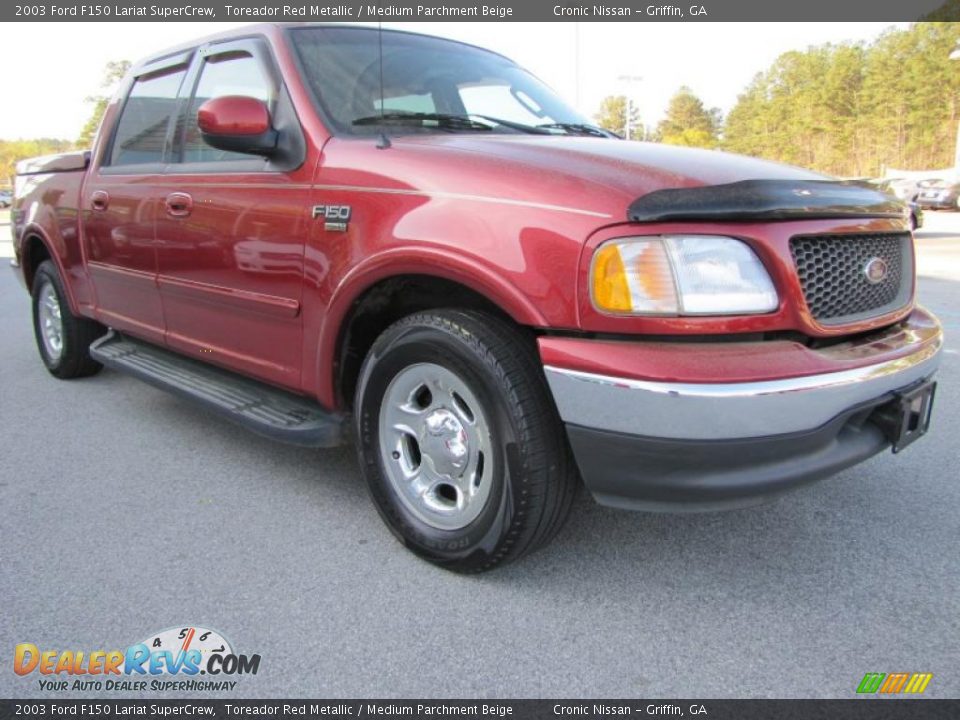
column 329, row 234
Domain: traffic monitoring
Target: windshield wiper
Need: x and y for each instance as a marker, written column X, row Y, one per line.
column 579, row 129
column 475, row 121
column 443, row 121
column 533, row 130
column 448, row 121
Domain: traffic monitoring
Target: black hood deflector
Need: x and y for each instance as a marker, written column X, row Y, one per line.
column 759, row 200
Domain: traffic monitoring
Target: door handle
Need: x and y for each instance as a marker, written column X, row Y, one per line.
column 99, row 200
column 179, row 204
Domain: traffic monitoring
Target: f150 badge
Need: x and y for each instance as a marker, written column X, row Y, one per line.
column 335, row 217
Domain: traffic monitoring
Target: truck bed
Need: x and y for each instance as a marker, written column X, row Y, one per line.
column 46, row 205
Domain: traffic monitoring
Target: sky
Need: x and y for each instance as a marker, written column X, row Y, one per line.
column 52, row 67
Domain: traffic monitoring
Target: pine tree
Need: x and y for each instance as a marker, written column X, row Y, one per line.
column 113, row 72
column 613, row 114
column 854, row 109
column 689, row 122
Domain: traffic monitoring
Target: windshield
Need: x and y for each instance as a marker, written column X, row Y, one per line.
column 424, row 79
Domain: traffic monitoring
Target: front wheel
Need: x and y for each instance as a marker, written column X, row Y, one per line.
column 459, row 440
column 63, row 339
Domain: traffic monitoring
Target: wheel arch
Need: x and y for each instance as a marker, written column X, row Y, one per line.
column 34, row 249
column 371, row 300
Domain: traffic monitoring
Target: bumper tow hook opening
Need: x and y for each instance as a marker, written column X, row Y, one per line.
column 906, row 418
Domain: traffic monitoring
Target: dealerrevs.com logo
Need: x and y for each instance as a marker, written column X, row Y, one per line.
column 173, row 659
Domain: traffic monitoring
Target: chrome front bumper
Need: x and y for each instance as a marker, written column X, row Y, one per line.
column 675, row 446
column 701, row 411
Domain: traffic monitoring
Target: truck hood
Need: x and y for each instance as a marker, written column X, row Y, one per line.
column 632, row 167
column 634, row 180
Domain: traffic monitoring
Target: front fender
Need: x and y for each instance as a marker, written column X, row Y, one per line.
column 399, row 261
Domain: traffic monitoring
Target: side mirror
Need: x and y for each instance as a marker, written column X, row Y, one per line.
column 237, row 123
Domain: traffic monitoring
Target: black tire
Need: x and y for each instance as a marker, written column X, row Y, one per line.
column 77, row 333
column 533, row 477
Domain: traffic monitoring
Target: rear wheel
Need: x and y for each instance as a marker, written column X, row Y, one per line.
column 63, row 339
column 459, row 440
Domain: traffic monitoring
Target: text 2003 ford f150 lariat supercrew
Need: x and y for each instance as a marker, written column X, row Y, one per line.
column 503, row 297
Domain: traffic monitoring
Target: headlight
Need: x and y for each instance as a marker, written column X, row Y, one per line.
column 680, row 275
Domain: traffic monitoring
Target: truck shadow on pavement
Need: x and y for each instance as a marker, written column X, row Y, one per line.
column 819, row 534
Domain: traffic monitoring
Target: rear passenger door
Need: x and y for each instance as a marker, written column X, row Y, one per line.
column 120, row 202
column 231, row 229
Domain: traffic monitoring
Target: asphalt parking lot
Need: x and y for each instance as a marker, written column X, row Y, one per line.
column 127, row 511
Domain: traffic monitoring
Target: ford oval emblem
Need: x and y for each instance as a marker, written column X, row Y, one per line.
column 875, row 270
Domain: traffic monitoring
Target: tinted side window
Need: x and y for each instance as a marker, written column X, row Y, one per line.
column 142, row 128
column 230, row 74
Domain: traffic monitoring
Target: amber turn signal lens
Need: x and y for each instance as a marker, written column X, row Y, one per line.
column 610, row 289
column 634, row 277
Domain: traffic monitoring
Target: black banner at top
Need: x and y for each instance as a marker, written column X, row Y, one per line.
column 479, row 10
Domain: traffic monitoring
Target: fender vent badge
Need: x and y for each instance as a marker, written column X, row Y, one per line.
column 336, row 218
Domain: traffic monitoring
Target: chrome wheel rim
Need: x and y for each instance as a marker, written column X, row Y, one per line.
column 51, row 322
column 435, row 446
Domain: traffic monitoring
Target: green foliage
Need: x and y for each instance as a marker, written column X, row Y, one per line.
column 89, row 131
column 113, row 73
column 853, row 109
column 688, row 122
column 13, row 151
column 613, row 114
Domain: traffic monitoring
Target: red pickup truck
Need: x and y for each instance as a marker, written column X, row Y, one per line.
column 328, row 234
